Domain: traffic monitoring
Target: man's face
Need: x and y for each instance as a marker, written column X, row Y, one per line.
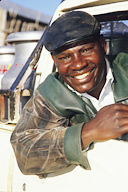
column 83, row 66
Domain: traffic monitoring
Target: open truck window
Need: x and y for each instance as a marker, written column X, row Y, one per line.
column 114, row 27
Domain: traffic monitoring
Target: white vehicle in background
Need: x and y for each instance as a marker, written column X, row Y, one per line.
column 32, row 64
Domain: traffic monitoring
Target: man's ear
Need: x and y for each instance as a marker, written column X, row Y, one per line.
column 52, row 56
column 103, row 43
column 53, row 59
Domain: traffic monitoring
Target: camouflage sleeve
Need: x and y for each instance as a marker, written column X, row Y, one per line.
column 38, row 139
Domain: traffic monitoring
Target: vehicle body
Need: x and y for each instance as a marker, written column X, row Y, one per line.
column 113, row 15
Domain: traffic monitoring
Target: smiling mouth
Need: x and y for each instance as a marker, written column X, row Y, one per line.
column 82, row 76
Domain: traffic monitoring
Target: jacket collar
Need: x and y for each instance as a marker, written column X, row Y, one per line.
column 120, row 73
column 63, row 100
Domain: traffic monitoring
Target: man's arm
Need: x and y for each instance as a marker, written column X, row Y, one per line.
column 45, row 142
column 38, row 139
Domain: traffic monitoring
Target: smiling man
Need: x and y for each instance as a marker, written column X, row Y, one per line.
column 83, row 66
column 84, row 103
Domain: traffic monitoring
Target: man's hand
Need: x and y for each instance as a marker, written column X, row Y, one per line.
column 110, row 122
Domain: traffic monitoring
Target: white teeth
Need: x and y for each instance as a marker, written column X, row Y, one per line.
column 82, row 76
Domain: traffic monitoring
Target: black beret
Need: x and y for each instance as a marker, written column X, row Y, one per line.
column 70, row 28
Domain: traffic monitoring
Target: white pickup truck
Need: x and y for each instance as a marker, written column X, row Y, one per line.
column 37, row 64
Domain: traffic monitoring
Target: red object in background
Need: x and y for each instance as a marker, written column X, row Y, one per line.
column 2, row 107
column 3, row 69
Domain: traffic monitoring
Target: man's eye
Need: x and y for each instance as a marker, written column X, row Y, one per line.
column 63, row 58
column 86, row 50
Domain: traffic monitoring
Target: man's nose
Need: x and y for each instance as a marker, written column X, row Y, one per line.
column 78, row 62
